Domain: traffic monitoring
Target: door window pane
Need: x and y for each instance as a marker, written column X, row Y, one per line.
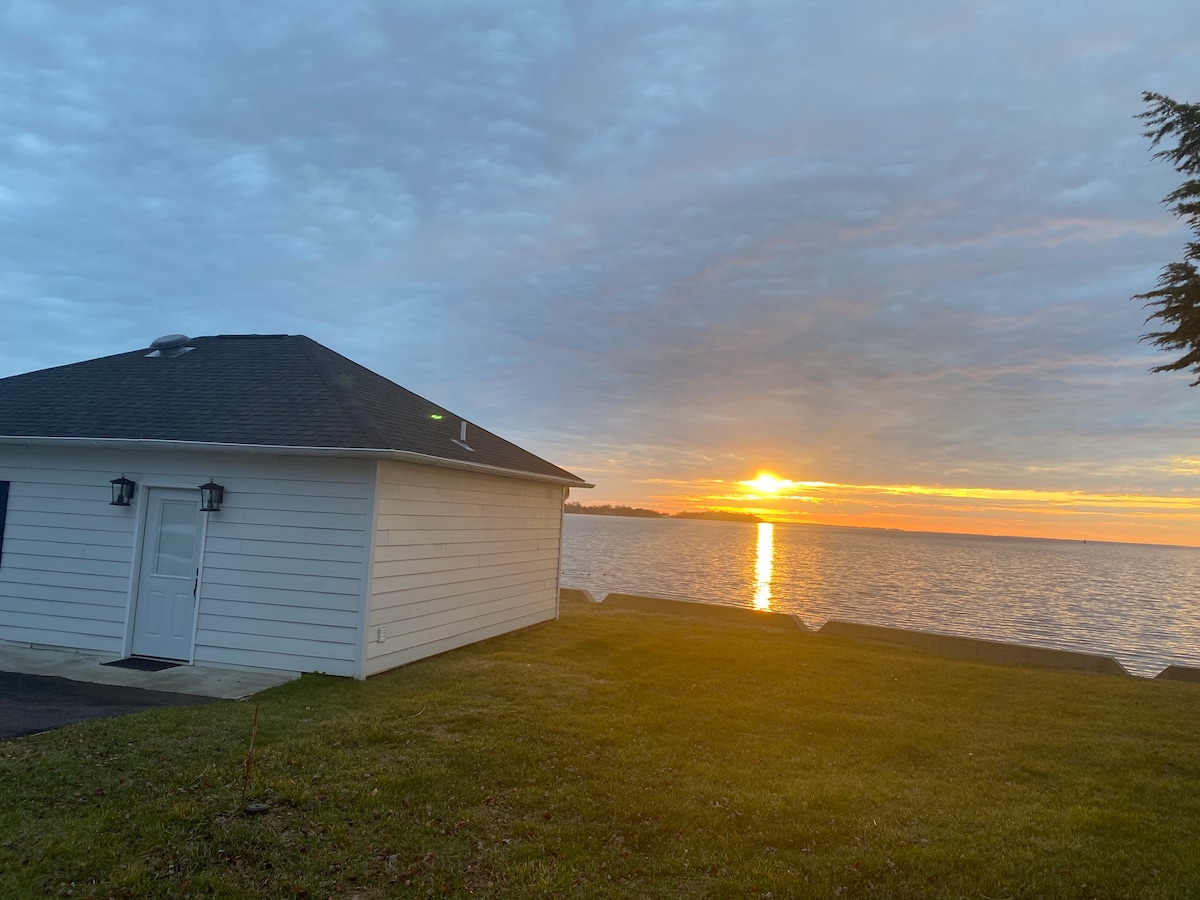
column 176, row 539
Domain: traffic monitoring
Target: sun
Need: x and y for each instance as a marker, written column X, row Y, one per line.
column 767, row 484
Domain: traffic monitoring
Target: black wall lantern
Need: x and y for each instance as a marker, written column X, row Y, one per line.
column 211, row 495
column 122, row 491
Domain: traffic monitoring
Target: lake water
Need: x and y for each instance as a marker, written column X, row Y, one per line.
column 1137, row 602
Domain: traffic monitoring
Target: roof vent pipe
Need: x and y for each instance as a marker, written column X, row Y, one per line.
column 462, row 436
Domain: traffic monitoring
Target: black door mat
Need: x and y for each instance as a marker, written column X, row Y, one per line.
column 141, row 665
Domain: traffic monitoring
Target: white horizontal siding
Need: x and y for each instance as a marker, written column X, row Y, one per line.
column 302, row 538
column 234, row 658
column 463, row 583
column 434, row 612
column 315, row 615
column 283, row 551
column 82, row 609
column 428, row 644
column 256, row 599
column 67, row 554
column 284, row 569
column 458, row 557
column 415, row 567
column 283, row 581
column 56, row 544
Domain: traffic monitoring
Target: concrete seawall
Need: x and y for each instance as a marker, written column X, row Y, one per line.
column 712, row 611
column 945, row 644
column 1179, row 673
column 976, row 648
column 577, row 594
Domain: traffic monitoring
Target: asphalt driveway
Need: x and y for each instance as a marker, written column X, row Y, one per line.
column 33, row 703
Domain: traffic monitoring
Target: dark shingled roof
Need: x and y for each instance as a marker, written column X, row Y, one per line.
column 275, row 390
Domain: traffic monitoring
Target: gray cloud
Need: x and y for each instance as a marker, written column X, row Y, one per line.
column 857, row 242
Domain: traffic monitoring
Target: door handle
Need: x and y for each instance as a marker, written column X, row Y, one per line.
column 196, row 584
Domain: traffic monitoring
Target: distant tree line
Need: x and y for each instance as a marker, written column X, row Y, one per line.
column 717, row 515
column 606, row 509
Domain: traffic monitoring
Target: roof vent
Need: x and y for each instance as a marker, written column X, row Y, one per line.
column 462, row 437
column 170, row 345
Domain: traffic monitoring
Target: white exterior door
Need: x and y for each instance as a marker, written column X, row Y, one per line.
column 164, row 612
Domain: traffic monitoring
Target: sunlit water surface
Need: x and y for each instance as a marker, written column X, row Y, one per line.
column 1136, row 602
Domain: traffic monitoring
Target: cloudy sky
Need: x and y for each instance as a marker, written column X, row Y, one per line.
column 882, row 250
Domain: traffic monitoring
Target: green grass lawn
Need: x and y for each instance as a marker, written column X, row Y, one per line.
column 621, row 754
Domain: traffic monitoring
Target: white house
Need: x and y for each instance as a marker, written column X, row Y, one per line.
column 360, row 526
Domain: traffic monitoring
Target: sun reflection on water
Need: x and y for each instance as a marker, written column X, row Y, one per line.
column 762, row 566
column 1139, row 603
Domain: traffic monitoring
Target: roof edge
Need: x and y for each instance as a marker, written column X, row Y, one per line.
column 286, row 450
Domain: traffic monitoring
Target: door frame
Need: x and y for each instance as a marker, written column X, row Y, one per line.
column 139, row 534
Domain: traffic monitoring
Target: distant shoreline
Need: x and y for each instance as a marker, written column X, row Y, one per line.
column 633, row 512
column 716, row 515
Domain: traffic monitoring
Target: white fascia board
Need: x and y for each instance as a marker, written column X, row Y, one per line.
column 419, row 459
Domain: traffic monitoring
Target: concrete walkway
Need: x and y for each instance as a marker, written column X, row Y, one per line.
column 45, row 689
column 224, row 684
